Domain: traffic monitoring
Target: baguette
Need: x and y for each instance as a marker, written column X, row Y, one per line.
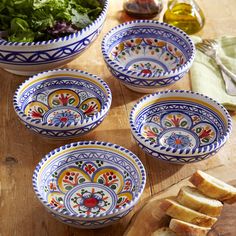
column 164, row 231
column 182, row 228
column 178, row 211
column 194, row 199
column 214, row 188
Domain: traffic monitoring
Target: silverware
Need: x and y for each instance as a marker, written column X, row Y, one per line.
column 210, row 48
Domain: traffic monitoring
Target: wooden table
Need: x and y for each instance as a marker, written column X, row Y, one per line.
column 20, row 150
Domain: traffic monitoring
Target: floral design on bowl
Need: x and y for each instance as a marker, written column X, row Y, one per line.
column 180, row 126
column 89, row 183
column 179, row 129
column 146, row 54
column 90, row 198
column 62, row 103
column 34, row 57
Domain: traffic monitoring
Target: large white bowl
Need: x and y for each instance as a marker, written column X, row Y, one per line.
column 31, row 58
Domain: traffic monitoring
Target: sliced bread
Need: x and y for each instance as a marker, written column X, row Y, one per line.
column 178, row 211
column 164, row 231
column 214, row 188
column 182, row 228
column 194, row 199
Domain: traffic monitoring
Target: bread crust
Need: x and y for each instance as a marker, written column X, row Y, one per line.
column 164, row 231
column 178, row 211
column 213, row 187
column 189, row 197
column 182, row 228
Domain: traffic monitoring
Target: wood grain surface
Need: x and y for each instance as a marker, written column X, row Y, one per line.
column 20, row 150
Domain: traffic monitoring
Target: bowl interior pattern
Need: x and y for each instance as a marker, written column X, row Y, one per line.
column 89, row 179
column 148, row 48
column 180, row 122
column 62, row 97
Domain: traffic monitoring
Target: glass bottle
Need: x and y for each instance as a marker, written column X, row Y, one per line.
column 184, row 14
column 143, row 8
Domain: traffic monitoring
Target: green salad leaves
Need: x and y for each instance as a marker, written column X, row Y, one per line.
column 38, row 20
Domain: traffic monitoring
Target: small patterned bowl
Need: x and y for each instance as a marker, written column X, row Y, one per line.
column 89, row 184
column 62, row 103
column 180, row 126
column 145, row 55
column 31, row 58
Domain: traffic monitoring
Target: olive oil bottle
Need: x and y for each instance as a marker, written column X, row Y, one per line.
column 184, row 14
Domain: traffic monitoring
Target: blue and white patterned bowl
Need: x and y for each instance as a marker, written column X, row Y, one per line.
column 31, row 58
column 89, row 184
column 145, row 55
column 180, row 126
column 62, row 103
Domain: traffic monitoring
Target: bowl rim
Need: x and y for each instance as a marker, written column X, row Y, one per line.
column 181, row 152
column 140, row 75
column 61, row 39
column 60, row 127
column 78, row 145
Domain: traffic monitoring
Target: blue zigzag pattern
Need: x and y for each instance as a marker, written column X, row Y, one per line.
column 45, row 56
column 145, row 82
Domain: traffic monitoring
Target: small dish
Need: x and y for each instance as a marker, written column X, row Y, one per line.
column 145, row 55
column 180, row 126
column 62, row 103
column 89, row 184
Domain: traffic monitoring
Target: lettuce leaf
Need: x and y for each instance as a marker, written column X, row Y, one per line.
column 35, row 20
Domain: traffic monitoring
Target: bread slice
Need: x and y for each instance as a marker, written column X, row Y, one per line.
column 164, row 231
column 180, row 212
column 182, row 228
column 214, row 188
column 194, row 199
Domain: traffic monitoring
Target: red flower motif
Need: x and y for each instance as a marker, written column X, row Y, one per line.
column 52, row 186
column 127, row 185
column 205, row 133
column 89, row 168
column 36, row 114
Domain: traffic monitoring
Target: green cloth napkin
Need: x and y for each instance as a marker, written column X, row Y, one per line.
column 206, row 77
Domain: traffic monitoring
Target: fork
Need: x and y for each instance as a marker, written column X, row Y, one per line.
column 209, row 47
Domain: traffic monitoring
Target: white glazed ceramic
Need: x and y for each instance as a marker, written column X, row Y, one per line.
column 62, row 103
column 180, row 126
column 89, row 184
column 146, row 55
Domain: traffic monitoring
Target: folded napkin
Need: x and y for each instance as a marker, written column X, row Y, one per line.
column 205, row 74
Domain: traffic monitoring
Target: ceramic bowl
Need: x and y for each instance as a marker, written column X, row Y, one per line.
column 31, row 58
column 89, row 184
column 180, row 126
column 62, row 103
column 145, row 55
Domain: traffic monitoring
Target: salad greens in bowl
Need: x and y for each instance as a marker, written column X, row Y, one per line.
column 37, row 35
